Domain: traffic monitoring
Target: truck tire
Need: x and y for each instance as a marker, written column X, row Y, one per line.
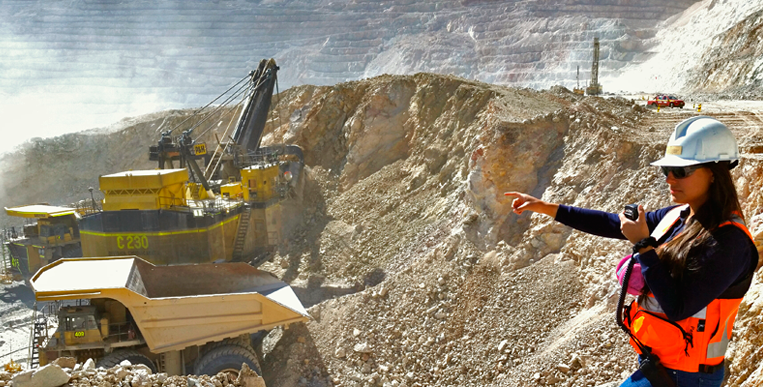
column 134, row 357
column 245, row 342
column 228, row 359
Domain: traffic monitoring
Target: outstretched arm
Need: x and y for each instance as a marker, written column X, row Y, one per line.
column 524, row 202
column 601, row 223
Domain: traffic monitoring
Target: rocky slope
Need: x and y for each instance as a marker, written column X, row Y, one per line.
column 712, row 47
column 732, row 63
column 66, row 371
column 404, row 202
column 459, row 290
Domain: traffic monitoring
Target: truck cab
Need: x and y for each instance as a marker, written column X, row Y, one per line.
column 79, row 325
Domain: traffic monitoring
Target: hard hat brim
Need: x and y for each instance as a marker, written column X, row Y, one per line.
column 675, row 161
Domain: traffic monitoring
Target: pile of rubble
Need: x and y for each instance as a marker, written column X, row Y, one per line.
column 66, row 371
column 409, row 174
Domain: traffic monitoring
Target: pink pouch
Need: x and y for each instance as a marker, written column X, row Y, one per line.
column 636, row 280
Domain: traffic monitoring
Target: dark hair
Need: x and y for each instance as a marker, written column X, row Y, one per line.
column 722, row 202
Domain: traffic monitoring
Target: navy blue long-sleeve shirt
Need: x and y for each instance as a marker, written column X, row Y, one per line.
column 728, row 262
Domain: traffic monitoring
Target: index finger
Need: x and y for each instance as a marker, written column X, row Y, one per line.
column 516, row 194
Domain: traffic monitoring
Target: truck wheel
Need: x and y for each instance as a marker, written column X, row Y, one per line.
column 245, row 342
column 134, row 357
column 228, row 359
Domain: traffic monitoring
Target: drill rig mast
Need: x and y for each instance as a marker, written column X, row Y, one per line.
column 594, row 88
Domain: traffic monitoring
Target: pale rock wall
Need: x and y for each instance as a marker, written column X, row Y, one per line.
column 711, row 47
column 746, row 355
column 463, row 276
column 732, row 63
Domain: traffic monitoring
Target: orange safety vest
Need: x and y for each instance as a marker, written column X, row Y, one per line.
column 695, row 342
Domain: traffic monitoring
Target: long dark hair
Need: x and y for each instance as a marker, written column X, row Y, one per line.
column 722, row 202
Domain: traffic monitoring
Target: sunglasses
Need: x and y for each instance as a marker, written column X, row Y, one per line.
column 680, row 172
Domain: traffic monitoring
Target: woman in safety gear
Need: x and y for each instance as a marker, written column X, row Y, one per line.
column 697, row 258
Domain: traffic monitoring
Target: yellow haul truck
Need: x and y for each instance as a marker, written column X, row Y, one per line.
column 175, row 319
column 49, row 233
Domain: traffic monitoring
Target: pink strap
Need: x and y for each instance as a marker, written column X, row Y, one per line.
column 636, row 281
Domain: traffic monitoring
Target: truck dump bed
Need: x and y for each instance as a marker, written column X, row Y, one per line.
column 176, row 306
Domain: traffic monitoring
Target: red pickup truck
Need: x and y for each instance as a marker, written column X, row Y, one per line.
column 665, row 100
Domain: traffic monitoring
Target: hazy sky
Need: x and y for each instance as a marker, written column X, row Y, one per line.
column 39, row 113
column 76, row 65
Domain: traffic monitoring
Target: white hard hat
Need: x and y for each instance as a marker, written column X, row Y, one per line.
column 699, row 140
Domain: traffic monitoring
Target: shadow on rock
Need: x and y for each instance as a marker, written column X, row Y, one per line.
column 304, row 224
column 291, row 358
column 316, row 292
column 17, row 292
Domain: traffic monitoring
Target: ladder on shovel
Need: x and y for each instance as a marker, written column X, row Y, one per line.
column 6, row 276
column 243, row 228
column 38, row 335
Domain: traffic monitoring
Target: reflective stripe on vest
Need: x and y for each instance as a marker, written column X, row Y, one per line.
column 652, row 305
column 701, row 339
column 737, row 221
column 718, row 349
column 668, row 221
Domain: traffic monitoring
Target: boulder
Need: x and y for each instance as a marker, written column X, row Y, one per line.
column 247, row 377
column 89, row 365
column 140, row 380
column 120, row 372
column 141, row 369
column 50, row 375
column 23, row 379
column 65, row 362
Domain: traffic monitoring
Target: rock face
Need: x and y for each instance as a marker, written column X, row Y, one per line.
column 328, row 42
column 727, row 67
column 404, row 202
column 710, row 48
column 475, row 295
